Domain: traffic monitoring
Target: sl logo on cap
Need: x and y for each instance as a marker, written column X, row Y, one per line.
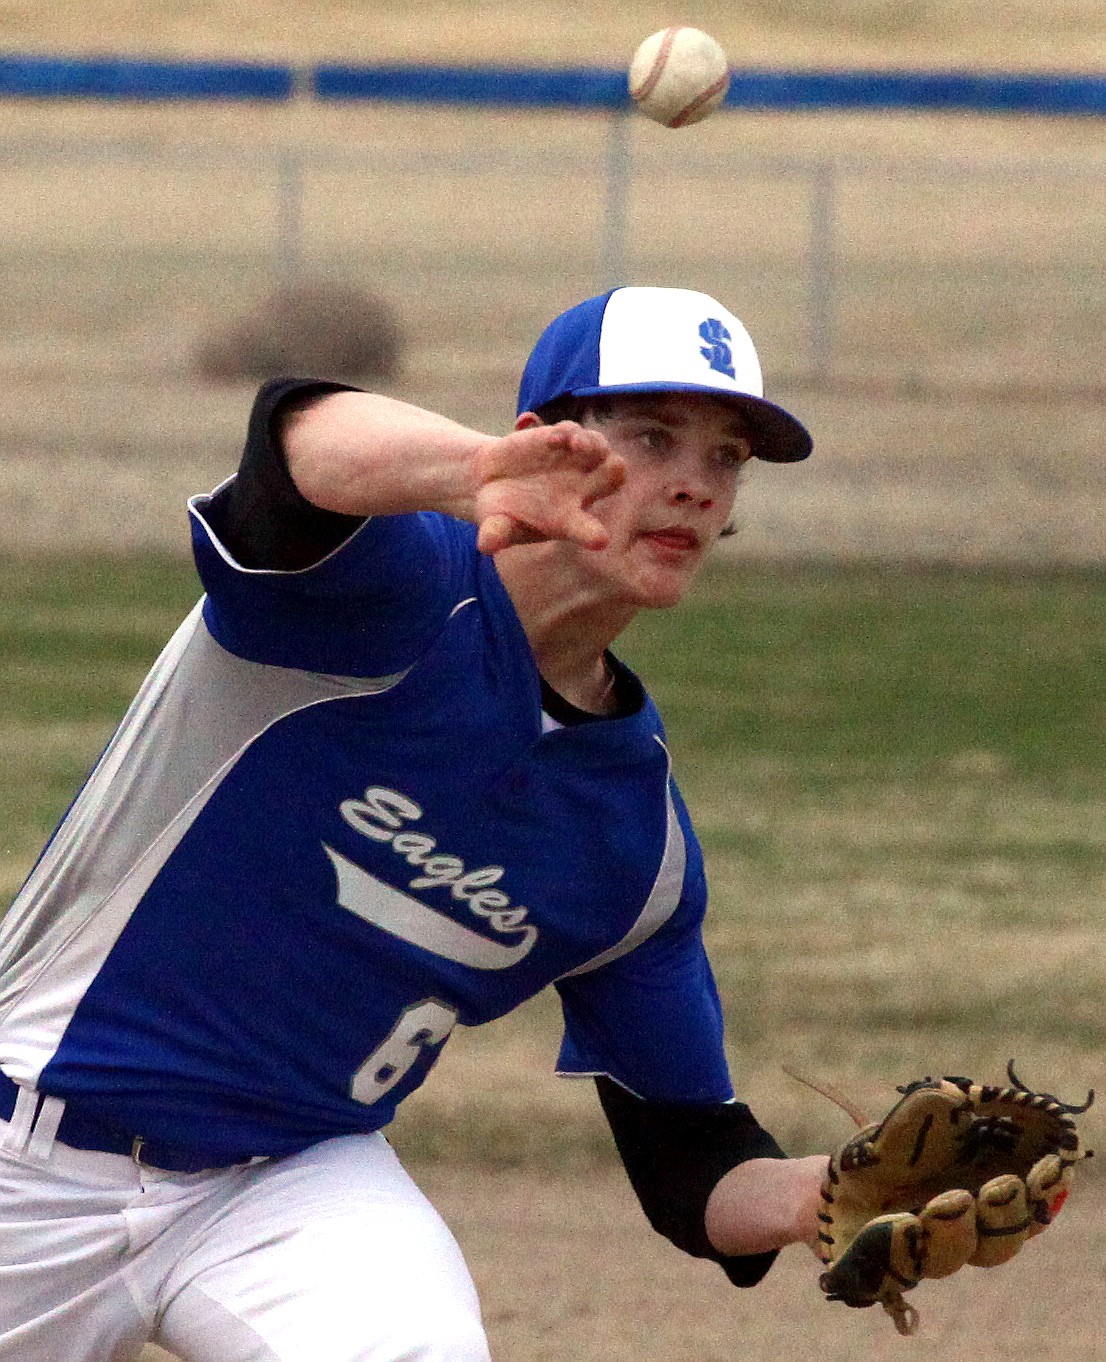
column 717, row 351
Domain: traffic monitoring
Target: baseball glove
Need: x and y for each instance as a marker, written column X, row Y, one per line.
column 956, row 1173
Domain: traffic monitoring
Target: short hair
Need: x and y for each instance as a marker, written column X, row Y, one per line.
column 570, row 408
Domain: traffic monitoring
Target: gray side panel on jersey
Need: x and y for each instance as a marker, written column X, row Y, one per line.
column 197, row 712
column 664, row 897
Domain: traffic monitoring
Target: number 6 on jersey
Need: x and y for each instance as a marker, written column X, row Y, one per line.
column 423, row 1024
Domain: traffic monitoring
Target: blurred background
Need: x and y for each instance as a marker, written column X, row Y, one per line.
column 915, row 281
column 887, row 701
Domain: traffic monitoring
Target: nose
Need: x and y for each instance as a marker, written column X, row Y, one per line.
column 691, row 477
column 687, row 490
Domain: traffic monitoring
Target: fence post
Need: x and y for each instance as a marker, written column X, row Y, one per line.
column 289, row 224
column 612, row 263
column 820, row 269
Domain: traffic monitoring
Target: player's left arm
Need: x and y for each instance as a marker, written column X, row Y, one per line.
column 764, row 1204
column 648, row 1026
column 709, row 1176
column 712, row 1180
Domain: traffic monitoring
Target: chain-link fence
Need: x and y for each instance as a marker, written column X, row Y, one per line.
column 884, row 291
column 908, row 270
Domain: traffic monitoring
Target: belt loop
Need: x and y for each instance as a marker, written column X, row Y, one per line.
column 46, row 1127
column 22, row 1121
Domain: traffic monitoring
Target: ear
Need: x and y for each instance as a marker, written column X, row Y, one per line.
column 528, row 420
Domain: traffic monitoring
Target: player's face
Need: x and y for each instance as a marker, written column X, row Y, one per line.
column 684, row 453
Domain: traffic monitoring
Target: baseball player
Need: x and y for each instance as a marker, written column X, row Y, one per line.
column 386, row 778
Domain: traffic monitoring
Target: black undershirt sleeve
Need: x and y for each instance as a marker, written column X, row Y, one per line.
column 675, row 1154
column 261, row 517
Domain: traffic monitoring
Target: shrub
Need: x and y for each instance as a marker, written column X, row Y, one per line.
column 314, row 330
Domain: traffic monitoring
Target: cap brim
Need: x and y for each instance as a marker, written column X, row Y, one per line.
column 778, row 436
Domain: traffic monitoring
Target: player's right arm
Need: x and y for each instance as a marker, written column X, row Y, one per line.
column 329, row 548
column 364, row 454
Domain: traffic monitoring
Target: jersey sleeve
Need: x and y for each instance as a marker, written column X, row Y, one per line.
column 367, row 607
column 651, row 1020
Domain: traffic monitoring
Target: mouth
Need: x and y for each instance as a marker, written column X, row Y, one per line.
column 674, row 539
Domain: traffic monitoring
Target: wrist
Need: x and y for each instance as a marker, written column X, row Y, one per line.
column 766, row 1204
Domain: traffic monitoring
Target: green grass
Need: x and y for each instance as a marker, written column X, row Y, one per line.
column 76, row 639
column 898, row 775
column 895, row 671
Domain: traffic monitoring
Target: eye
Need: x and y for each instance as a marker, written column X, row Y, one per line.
column 734, row 455
column 655, row 437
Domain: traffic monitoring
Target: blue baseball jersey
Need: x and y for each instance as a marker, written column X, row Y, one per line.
column 331, row 827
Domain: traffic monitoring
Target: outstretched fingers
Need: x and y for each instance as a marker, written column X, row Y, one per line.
column 537, row 449
column 539, row 483
column 496, row 532
column 503, row 529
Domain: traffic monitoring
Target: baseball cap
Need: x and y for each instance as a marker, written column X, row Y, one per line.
column 649, row 340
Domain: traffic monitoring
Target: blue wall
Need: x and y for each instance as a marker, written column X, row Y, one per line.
column 124, row 78
column 586, row 88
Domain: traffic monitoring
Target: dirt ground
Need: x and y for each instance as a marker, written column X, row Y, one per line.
column 567, row 1268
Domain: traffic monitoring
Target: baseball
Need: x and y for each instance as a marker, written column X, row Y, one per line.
column 679, row 76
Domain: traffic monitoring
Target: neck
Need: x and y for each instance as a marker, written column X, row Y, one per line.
column 569, row 624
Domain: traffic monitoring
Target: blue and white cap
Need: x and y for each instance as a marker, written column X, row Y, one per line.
column 644, row 340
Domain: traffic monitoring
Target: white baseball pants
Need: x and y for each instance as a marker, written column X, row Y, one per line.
column 331, row 1255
